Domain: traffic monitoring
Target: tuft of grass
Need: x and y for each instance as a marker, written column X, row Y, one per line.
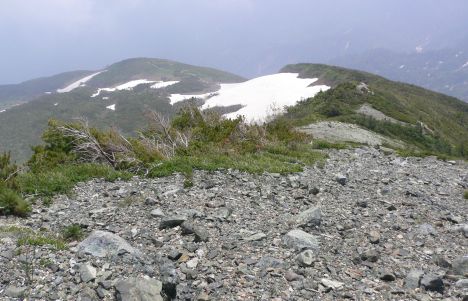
column 323, row 144
column 63, row 178
column 42, row 240
column 465, row 195
column 11, row 203
column 72, row 232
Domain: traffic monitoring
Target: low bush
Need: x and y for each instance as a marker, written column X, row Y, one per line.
column 72, row 232
column 11, row 203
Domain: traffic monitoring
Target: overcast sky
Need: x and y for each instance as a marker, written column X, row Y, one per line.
column 247, row 37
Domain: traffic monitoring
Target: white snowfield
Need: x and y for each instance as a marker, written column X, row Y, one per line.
column 132, row 84
column 78, row 83
column 1, row 111
column 260, row 97
column 111, row 107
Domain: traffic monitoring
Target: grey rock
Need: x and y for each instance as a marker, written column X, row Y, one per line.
column 138, row 289
column 426, row 229
column 151, row 201
column 256, row 237
column 305, row 258
column 87, row 294
column 300, row 240
column 291, row 276
column 413, row 279
column 172, row 221
column 312, row 216
column 432, row 282
column 371, row 255
column 342, row 179
column 460, row 266
column 169, row 278
column 269, row 262
column 87, row 272
column 331, row 283
column 374, row 237
column 102, row 244
column 15, row 292
column 386, row 275
column 157, row 213
column 462, row 283
column 201, row 235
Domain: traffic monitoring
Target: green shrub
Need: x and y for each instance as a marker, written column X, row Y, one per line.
column 13, row 204
column 72, row 232
column 322, row 144
column 8, row 171
column 465, row 195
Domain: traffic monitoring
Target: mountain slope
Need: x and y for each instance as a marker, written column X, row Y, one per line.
column 28, row 90
column 445, row 71
column 426, row 115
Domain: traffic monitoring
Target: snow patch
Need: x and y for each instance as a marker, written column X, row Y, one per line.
column 105, row 98
column 111, row 107
column 181, row 97
column 402, row 66
column 48, row 92
column 419, row 49
column 1, row 111
column 78, row 83
column 132, row 84
column 260, row 95
column 55, row 104
column 465, row 65
column 160, row 85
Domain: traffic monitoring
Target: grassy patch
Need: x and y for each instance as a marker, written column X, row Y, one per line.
column 465, row 195
column 42, row 240
column 322, row 144
column 61, row 179
column 72, row 232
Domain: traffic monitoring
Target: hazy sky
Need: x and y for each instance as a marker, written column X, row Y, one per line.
column 247, row 37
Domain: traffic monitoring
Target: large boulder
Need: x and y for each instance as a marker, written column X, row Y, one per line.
column 138, row 289
column 104, row 244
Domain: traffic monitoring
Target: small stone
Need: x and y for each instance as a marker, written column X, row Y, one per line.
column 331, row 283
column 432, row 283
column 362, row 203
column 157, row 213
column 312, row 217
column 87, row 272
column 462, row 283
column 256, row 237
column 15, row 292
column 460, row 266
column 203, row 297
column 138, row 289
column 342, row 179
column 291, row 276
column 150, row 201
column 370, row 255
column 192, row 263
column 172, row 221
column 300, row 240
column 413, row 279
column 374, row 237
column 386, row 275
column 174, row 255
column 306, row 258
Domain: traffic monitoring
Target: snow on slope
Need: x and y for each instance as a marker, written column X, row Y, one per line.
column 78, row 83
column 261, row 95
column 111, row 107
column 132, row 84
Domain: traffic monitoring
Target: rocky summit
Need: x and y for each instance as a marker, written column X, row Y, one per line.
column 366, row 225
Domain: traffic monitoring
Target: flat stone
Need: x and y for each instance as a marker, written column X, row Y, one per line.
column 172, row 221
column 157, row 213
column 331, row 283
column 87, row 272
column 103, row 244
column 138, row 289
column 312, row 216
column 256, row 237
column 462, row 283
column 413, row 279
column 300, row 240
column 306, row 258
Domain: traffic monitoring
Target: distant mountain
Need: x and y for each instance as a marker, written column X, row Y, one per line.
column 444, row 71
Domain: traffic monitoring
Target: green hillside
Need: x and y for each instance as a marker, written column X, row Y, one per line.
column 445, row 117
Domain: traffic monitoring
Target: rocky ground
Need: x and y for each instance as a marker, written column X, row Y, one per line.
column 365, row 226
